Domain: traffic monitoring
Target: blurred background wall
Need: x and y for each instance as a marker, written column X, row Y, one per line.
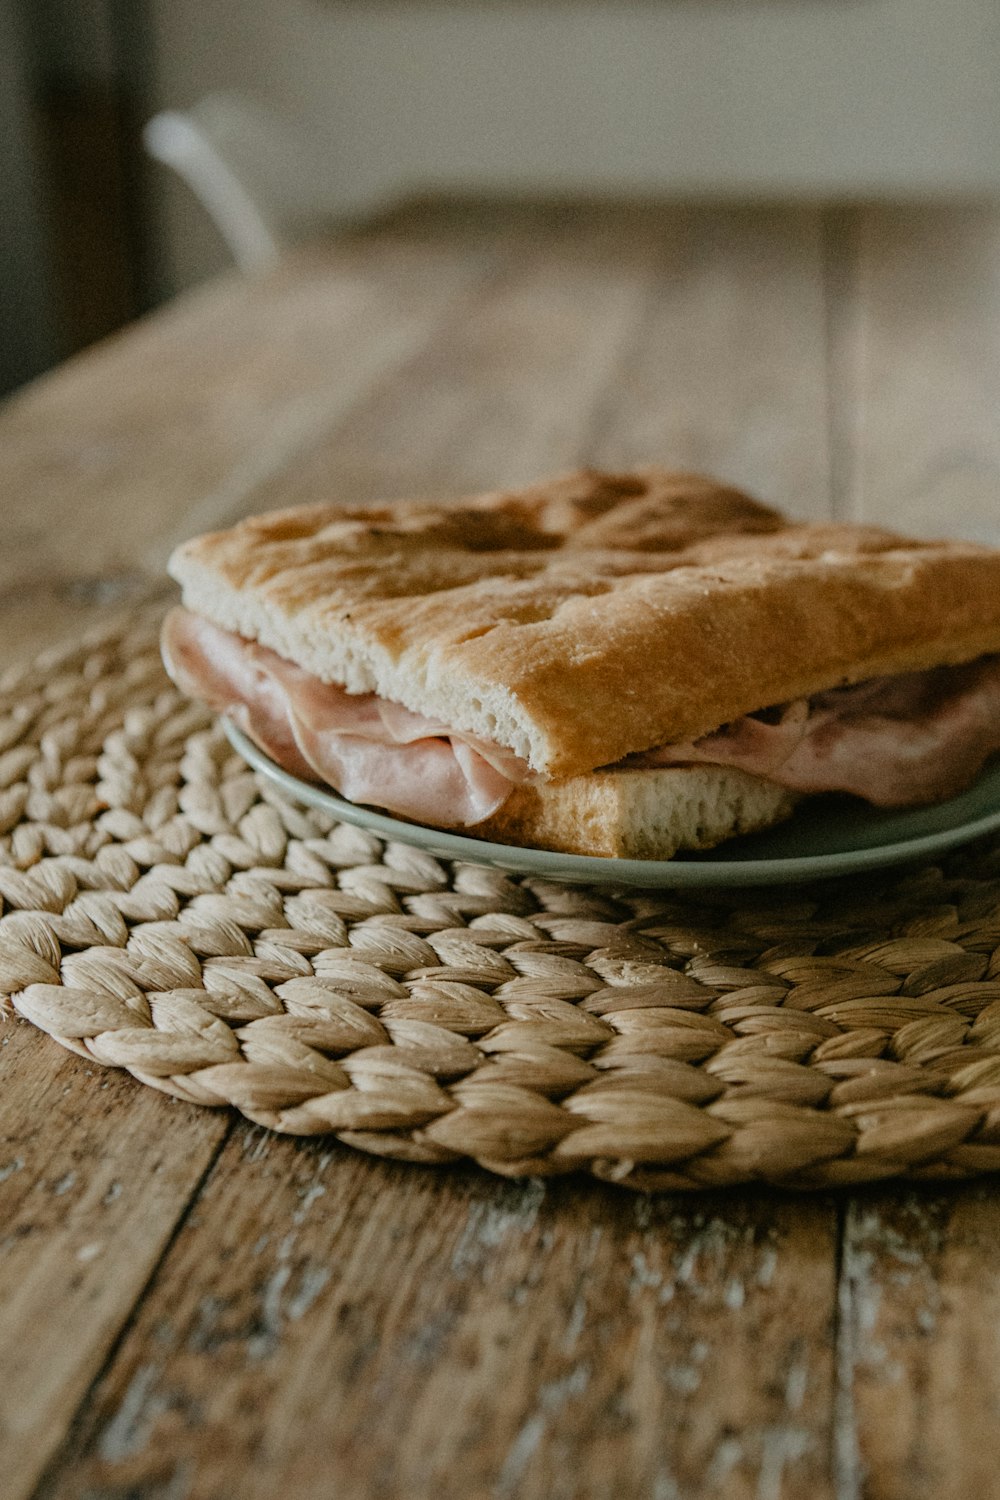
column 75, row 226
column 749, row 98
column 829, row 99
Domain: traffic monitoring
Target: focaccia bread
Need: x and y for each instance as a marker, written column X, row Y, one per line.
column 597, row 615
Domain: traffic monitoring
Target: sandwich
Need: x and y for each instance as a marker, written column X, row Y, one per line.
column 626, row 665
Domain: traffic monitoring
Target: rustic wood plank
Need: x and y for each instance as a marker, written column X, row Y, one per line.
column 689, row 337
column 84, row 1217
column 171, row 424
column 921, row 343
column 919, row 1348
column 376, row 1330
column 507, row 390
column 174, row 425
column 729, row 374
column 201, row 413
column 915, row 321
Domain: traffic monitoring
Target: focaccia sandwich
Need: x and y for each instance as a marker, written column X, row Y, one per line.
column 613, row 664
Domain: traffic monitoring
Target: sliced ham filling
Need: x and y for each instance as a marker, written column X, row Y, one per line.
column 369, row 749
column 896, row 741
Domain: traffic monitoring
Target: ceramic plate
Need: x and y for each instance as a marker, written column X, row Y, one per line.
column 831, row 836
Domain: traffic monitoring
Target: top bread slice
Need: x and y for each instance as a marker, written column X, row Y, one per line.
column 595, row 615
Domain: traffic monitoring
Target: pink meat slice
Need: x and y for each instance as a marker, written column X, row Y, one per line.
column 896, row 741
column 371, row 750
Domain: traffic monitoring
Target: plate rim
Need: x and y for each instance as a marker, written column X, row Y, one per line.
column 600, row 870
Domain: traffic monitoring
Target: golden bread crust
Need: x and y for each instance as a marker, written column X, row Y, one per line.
column 594, row 615
column 648, row 814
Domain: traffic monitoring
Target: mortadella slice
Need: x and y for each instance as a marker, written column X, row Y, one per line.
column 370, row 751
column 896, row 741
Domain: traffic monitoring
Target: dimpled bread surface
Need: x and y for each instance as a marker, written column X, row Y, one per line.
column 594, row 615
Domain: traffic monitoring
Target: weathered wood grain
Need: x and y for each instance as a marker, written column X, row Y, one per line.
column 95, row 1172
column 174, row 424
column 915, row 297
column 320, row 1317
column 373, row 1330
column 567, row 351
column 921, row 345
column 507, row 389
column 729, row 374
column 919, row 1347
column 691, row 337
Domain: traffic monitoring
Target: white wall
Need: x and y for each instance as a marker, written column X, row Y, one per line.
column 755, row 97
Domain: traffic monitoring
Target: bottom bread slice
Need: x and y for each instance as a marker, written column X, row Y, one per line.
column 642, row 814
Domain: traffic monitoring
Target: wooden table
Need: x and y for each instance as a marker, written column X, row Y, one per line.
column 194, row 1309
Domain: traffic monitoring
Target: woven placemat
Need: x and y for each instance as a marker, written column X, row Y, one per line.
column 165, row 912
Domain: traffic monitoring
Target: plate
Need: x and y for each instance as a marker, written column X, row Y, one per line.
column 825, row 837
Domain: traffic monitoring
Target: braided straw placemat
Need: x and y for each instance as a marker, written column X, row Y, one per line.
column 165, row 912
